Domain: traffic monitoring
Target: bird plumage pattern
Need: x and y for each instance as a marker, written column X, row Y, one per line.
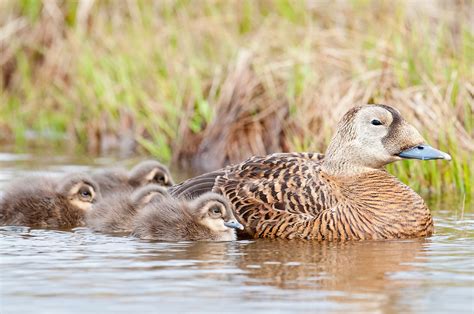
column 311, row 196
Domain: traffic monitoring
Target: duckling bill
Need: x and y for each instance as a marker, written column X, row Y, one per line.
column 345, row 194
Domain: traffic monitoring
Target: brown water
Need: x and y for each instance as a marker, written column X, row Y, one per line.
column 45, row 271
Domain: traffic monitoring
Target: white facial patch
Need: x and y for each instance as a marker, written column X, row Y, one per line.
column 151, row 175
column 75, row 198
column 215, row 224
column 368, row 144
column 75, row 189
column 85, row 206
column 364, row 119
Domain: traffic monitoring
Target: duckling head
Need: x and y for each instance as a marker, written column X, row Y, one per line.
column 152, row 192
column 214, row 212
column 80, row 190
column 372, row 136
column 150, row 172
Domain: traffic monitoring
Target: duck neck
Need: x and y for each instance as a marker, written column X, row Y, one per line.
column 346, row 160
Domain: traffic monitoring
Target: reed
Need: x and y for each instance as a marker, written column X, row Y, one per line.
column 158, row 76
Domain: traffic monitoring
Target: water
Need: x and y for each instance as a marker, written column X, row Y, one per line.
column 46, row 271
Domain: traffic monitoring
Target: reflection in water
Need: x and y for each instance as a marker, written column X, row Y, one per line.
column 48, row 271
column 362, row 266
column 353, row 270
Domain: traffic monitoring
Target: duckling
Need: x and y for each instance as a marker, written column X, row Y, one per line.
column 115, row 213
column 146, row 172
column 345, row 194
column 206, row 218
column 48, row 203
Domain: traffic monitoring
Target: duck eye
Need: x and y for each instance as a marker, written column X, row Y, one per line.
column 376, row 122
column 160, row 178
column 215, row 210
column 86, row 193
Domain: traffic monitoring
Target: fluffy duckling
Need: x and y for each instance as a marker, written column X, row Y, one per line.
column 344, row 195
column 206, row 218
column 146, row 172
column 48, row 203
column 115, row 213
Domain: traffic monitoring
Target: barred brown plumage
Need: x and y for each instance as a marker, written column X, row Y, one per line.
column 345, row 194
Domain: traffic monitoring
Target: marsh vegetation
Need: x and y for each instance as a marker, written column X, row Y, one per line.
column 218, row 81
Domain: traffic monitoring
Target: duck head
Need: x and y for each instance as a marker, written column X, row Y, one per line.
column 148, row 193
column 372, row 136
column 214, row 211
column 150, row 172
column 80, row 191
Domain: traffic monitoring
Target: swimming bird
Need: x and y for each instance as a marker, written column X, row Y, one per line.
column 146, row 172
column 345, row 194
column 206, row 218
column 115, row 213
column 48, row 203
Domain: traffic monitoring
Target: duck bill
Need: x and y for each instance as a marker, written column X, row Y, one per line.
column 234, row 224
column 424, row 152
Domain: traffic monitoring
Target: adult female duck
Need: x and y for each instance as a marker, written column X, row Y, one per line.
column 345, row 194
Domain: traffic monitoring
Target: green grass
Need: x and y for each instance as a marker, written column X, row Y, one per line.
column 165, row 63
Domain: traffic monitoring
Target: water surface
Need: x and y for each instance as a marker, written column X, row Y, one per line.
column 47, row 271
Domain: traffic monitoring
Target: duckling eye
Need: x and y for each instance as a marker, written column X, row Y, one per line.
column 160, row 178
column 85, row 193
column 376, row 122
column 215, row 211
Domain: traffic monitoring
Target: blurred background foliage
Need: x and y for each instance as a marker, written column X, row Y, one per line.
column 205, row 83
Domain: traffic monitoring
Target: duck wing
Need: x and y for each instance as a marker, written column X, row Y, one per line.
column 204, row 183
column 194, row 187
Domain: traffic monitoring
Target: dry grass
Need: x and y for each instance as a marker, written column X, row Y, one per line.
column 248, row 121
column 171, row 75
